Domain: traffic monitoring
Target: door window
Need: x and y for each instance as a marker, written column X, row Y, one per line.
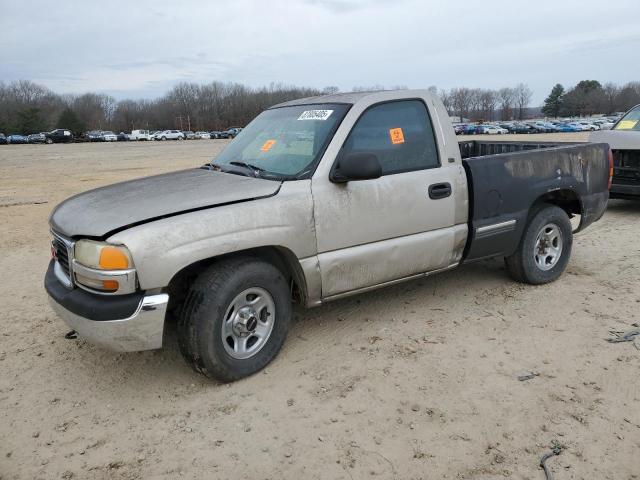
column 399, row 133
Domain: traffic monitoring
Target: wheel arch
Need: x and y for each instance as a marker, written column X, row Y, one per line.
column 281, row 257
column 565, row 198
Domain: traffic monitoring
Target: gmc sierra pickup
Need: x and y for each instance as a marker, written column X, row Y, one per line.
column 315, row 200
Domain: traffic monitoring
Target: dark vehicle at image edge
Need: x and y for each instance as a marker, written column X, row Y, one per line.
column 624, row 139
column 318, row 199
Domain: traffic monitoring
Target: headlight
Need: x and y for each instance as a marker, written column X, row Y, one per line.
column 103, row 267
column 102, row 256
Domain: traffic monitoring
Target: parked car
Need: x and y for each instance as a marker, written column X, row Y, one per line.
column 579, row 126
column 522, row 128
column 169, row 135
column 3, row 139
column 109, row 136
column 537, row 128
column 567, row 127
column 144, row 135
column 604, row 124
column 59, row 135
column 93, row 135
column 546, row 127
column 123, row 137
column 590, row 125
column 230, row 247
column 189, row 135
column 489, row 129
column 458, row 128
column 215, row 134
column 469, row 129
column 230, row 132
column 36, row 138
column 16, row 139
column 624, row 139
column 203, row 135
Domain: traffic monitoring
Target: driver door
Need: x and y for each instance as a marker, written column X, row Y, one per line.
column 371, row 232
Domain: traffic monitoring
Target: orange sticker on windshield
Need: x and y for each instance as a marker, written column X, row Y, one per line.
column 266, row 146
column 396, row 135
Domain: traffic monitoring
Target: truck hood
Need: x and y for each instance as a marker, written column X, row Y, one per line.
column 617, row 139
column 104, row 210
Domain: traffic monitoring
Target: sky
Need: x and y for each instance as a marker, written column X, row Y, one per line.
column 140, row 49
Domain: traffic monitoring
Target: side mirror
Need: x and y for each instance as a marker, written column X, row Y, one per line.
column 356, row 166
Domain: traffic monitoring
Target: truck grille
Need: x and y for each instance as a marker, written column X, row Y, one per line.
column 62, row 248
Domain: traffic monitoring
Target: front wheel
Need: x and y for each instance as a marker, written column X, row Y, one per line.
column 235, row 318
column 49, row 141
column 545, row 247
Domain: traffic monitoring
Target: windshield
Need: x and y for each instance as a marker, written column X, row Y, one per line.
column 283, row 143
column 631, row 121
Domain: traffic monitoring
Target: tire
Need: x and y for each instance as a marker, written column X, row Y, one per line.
column 209, row 316
column 164, row 139
column 545, row 248
column 49, row 141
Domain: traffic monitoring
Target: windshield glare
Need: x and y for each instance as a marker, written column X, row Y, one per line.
column 284, row 142
column 631, row 121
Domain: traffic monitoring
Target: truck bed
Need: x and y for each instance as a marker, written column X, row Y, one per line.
column 507, row 178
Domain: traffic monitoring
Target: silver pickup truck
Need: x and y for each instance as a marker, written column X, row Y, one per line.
column 624, row 140
column 315, row 200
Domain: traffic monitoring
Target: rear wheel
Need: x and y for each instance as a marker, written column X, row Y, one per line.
column 235, row 318
column 545, row 247
column 49, row 141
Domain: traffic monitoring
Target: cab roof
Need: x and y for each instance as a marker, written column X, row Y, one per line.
column 347, row 97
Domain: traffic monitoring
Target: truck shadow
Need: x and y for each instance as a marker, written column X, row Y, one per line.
column 624, row 207
column 165, row 368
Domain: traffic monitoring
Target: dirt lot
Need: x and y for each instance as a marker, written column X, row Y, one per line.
column 415, row 381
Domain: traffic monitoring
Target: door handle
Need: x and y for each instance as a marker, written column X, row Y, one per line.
column 439, row 190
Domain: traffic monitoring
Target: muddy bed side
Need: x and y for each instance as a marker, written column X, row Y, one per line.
column 504, row 189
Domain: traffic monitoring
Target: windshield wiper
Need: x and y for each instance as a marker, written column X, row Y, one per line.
column 248, row 165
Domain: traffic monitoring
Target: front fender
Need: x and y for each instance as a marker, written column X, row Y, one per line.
column 162, row 248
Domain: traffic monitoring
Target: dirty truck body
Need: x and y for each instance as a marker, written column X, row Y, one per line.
column 315, row 200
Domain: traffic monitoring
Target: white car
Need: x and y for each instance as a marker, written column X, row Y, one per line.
column 140, row 135
column 204, row 135
column 590, row 126
column 169, row 135
column 109, row 137
column 494, row 130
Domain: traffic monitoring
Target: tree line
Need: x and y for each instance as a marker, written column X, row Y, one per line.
column 26, row 107
column 589, row 97
column 507, row 103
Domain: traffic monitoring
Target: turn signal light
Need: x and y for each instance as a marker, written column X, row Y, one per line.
column 111, row 285
column 112, row 258
column 610, row 168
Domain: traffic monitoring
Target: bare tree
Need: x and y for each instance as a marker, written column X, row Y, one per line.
column 446, row 100
column 523, row 96
column 488, row 101
column 507, row 98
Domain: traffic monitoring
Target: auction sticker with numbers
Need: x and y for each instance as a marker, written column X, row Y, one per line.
column 396, row 135
column 315, row 114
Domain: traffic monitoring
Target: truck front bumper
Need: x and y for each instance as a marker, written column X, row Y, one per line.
column 127, row 324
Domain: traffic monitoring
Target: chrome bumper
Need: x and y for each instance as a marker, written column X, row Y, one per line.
column 141, row 331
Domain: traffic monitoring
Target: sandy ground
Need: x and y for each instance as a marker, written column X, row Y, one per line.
column 416, row 381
